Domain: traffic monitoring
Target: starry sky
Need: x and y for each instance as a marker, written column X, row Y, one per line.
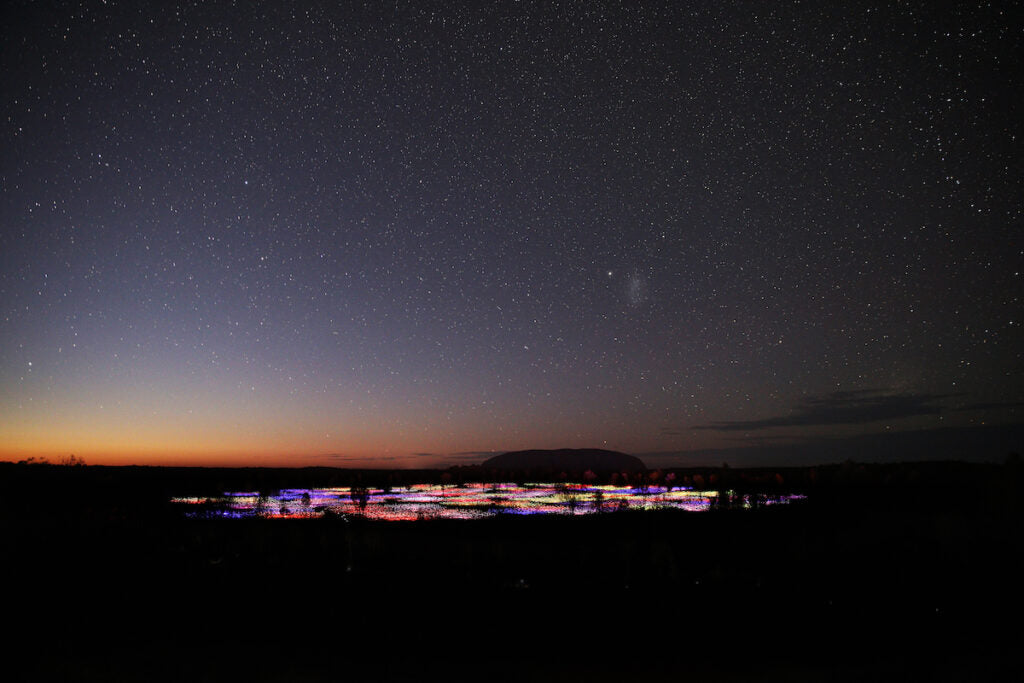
column 414, row 233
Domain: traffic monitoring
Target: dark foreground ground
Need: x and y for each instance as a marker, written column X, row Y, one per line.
column 884, row 573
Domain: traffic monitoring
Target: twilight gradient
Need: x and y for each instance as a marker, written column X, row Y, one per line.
column 414, row 233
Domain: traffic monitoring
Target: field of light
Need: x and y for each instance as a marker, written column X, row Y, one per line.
column 469, row 501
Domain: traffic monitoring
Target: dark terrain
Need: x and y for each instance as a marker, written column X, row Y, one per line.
column 885, row 572
column 595, row 459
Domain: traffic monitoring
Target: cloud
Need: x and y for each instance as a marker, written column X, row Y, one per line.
column 458, row 455
column 467, row 457
column 975, row 443
column 992, row 406
column 341, row 457
column 768, row 438
column 842, row 407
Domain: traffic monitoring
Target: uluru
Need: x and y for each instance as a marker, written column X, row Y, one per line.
column 567, row 459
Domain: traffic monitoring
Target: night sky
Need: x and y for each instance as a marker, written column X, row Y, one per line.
column 409, row 234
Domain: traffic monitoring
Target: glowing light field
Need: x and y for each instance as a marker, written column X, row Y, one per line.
column 471, row 501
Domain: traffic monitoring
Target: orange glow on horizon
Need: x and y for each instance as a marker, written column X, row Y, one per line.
column 164, row 457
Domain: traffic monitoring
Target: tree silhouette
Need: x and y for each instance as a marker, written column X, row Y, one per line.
column 569, row 496
column 261, row 504
column 360, row 496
